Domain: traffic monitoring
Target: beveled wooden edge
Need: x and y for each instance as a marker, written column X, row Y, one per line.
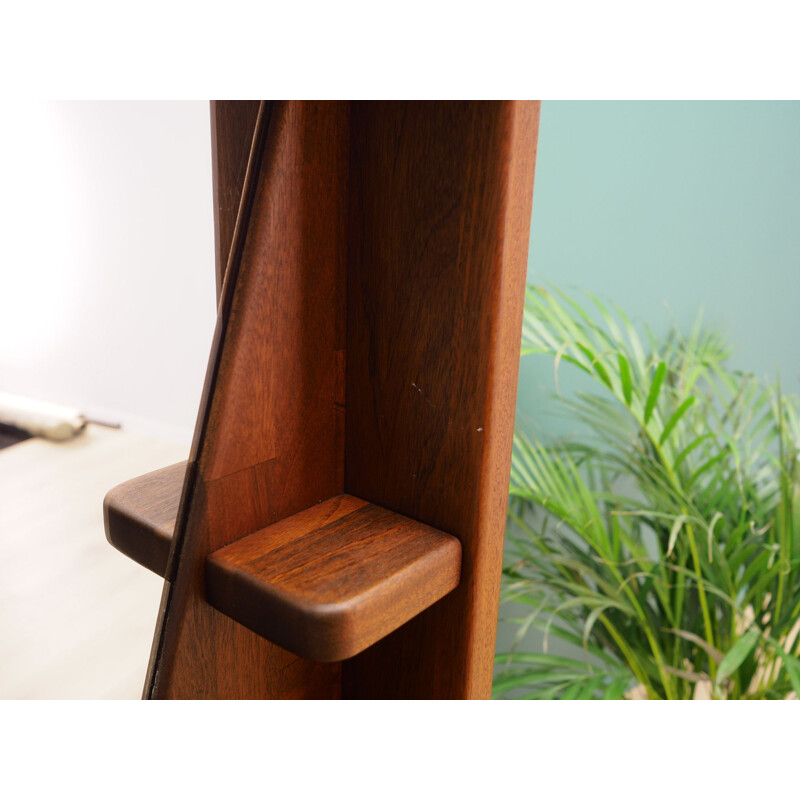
column 232, row 126
column 139, row 516
column 392, row 589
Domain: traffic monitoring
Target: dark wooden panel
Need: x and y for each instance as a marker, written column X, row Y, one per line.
column 439, row 218
column 330, row 581
column 233, row 123
column 370, row 348
column 140, row 516
column 268, row 442
column 279, row 370
column 207, row 655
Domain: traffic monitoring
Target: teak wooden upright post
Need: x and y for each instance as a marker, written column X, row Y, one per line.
column 340, row 526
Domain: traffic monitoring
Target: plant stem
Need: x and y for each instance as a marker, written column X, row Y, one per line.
column 712, row 667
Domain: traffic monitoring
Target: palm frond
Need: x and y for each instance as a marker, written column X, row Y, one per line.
column 648, row 539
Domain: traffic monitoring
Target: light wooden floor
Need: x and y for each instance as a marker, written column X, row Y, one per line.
column 76, row 616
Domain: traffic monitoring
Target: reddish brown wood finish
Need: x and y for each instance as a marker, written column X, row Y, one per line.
column 233, row 123
column 271, row 445
column 325, row 583
column 140, row 516
column 332, row 580
column 439, row 219
column 394, row 233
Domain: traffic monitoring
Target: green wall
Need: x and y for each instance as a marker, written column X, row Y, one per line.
column 664, row 207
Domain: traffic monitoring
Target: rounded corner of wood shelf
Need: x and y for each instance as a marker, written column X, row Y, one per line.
column 139, row 516
column 332, row 580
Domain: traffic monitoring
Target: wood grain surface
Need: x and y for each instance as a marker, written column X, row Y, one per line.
column 140, row 514
column 332, row 580
column 367, row 343
column 233, row 123
column 437, row 263
column 269, row 444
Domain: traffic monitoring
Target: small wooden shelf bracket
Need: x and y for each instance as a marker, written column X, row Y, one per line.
column 324, row 584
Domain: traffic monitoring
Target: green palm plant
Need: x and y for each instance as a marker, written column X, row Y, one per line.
column 665, row 543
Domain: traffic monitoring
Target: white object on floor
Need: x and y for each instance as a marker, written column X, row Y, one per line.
column 40, row 418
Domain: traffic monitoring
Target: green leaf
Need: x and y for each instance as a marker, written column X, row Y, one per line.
column 572, row 692
column 625, row 378
column 673, row 534
column 791, row 664
column 705, row 467
column 596, row 363
column 504, row 683
column 673, row 420
column 590, row 621
column 714, row 520
column 543, row 659
column 793, row 671
column 617, row 688
column 545, row 694
column 590, row 687
column 655, row 388
column 737, row 654
column 701, row 643
column 687, row 450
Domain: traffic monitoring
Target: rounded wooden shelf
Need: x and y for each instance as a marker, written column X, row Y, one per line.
column 325, row 583
column 140, row 516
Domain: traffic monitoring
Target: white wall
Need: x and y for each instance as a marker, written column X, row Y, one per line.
column 107, row 272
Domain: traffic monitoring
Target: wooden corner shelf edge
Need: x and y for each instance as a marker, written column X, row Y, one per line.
column 140, row 514
column 334, row 579
column 325, row 583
